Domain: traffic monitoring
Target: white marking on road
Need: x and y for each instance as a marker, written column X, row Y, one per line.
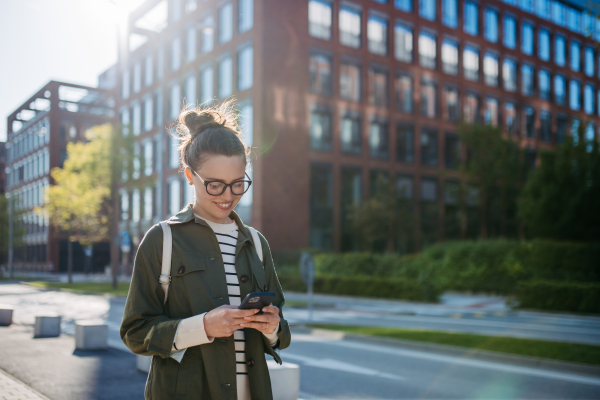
column 336, row 365
column 539, row 372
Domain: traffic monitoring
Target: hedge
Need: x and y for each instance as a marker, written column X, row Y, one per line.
column 559, row 296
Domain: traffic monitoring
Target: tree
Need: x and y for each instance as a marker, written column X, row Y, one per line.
column 560, row 199
column 496, row 166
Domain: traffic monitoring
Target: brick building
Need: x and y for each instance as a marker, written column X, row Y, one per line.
column 38, row 133
column 335, row 94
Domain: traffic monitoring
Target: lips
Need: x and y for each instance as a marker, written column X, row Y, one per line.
column 224, row 206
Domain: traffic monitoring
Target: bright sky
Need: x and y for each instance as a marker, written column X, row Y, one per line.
column 65, row 40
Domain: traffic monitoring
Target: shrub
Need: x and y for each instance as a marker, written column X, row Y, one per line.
column 559, row 296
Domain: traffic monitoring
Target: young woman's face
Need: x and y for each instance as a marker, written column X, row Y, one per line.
column 217, row 168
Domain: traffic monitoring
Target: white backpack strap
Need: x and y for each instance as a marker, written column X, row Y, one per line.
column 165, row 273
column 257, row 243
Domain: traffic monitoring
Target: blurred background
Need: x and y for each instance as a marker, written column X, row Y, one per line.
column 438, row 160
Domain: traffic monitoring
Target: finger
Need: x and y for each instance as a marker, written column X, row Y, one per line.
column 271, row 309
column 237, row 313
column 267, row 318
column 259, row 326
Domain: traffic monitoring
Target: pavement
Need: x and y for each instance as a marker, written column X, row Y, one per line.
column 13, row 389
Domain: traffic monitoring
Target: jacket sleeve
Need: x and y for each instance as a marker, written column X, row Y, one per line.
column 284, row 335
column 145, row 329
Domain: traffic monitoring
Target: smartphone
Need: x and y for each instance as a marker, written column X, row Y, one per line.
column 257, row 300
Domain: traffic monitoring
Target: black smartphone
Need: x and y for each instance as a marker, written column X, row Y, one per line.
column 257, row 300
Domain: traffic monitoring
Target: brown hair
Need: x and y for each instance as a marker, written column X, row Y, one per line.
column 209, row 131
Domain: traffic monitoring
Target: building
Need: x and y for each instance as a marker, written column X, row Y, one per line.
column 38, row 133
column 337, row 94
column 2, row 167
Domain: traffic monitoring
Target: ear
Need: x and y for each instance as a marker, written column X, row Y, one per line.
column 188, row 175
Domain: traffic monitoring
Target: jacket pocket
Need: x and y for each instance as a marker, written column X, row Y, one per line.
column 184, row 264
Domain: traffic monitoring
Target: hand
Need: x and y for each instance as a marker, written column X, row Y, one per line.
column 224, row 320
column 265, row 323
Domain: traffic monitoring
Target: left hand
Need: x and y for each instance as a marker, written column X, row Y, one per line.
column 265, row 323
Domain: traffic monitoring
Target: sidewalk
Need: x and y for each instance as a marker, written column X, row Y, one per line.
column 12, row 389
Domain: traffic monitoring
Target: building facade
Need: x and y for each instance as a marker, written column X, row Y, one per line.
column 38, row 133
column 334, row 95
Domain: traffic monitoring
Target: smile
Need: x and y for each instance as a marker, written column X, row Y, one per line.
column 224, row 206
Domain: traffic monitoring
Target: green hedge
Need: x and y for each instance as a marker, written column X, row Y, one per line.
column 559, row 296
column 365, row 286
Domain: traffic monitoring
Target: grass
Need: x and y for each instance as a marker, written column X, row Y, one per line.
column 559, row 351
column 85, row 287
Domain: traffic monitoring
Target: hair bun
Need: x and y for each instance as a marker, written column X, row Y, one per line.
column 196, row 123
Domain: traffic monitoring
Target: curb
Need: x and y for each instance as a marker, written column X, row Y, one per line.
column 484, row 355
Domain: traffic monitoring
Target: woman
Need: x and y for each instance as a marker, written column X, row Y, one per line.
column 203, row 346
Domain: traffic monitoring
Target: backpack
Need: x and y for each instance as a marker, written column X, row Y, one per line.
column 165, row 276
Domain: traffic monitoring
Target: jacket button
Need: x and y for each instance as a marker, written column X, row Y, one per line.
column 250, row 363
column 244, row 278
column 226, row 384
column 181, row 269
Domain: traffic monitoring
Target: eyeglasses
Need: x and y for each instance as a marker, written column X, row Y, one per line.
column 217, row 188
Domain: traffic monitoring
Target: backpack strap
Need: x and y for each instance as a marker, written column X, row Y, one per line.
column 165, row 273
column 257, row 243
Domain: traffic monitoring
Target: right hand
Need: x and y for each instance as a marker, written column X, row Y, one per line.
column 224, row 320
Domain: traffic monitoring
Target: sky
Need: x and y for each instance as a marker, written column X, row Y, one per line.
column 65, row 40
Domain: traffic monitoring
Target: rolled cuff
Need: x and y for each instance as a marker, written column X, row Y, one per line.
column 272, row 337
column 191, row 332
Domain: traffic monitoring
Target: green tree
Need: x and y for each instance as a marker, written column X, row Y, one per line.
column 560, row 199
column 496, row 167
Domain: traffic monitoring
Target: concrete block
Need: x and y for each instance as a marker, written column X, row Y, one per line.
column 6, row 315
column 46, row 326
column 285, row 380
column 90, row 335
column 143, row 363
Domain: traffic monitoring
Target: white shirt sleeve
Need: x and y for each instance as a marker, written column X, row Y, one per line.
column 190, row 332
column 273, row 336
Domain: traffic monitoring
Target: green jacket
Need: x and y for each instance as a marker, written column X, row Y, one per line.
column 148, row 328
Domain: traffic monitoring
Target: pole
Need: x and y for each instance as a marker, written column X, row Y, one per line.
column 11, row 265
column 310, row 295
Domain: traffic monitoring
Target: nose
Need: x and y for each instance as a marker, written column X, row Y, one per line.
column 228, row 194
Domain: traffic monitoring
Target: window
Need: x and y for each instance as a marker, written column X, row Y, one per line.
column 562, row 125
column 405, row 143
column 452, row 103
column 404, row 5
column 510, row 118
column 450, row 57
column 137, row 119
column 509, row 75
column 471, row 111
column 429, row 147
column 206, row 84
column 377, row 35
column 542, row 8
column 471, row 18
column 490, row 69
column 320, row 129
column 427, row 9
column 491, row 25
column 527, row 79
column 429, row 211
column 451, row 151
column 124, row 205
column 225, row 23
column 225, row 77
column 529, row 113
column 351, row 195
column 527, row 5
column 560, row 89
column 190, row 6
column 320, row 74
column 207, row 34
column 491, row 112
column 510, row 32
column 173, row 152
column 175, row 11
column 588, row 99
column 378, row 86
column 471, row 63
column 544, row 84
column 245, row 15
column 160, row 62
column 158, row 108
column 589, row 61
column 575, row 56
column 449, row 13
column 321, row 206
column 148, row 204
column 174, row 196
column 558, row 13
column 148, row 157
column 428, row 99
column 135, row 205
column 350, row 134
column 404, row 93
column 427, row 51
column 148, row 107
column 125, row 84
column 349, row 81
column 190, row 45
column 527, row 38
column 245, row 68
column 559, row 50
column 544, row 45
column 350, row 27
column 546, row 125
column 403, row 43
column 574, row 95
column 573, row 19
column 148, row 72
column 379, row 142
column 175, row 53
column 174, row 103
column 319, row 19
column 137, row 77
